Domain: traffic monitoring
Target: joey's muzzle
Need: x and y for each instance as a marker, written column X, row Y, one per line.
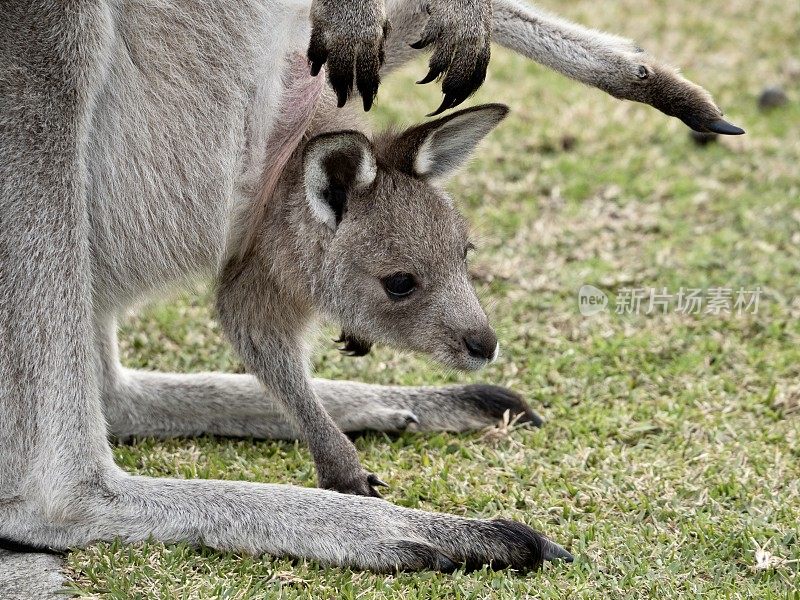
column 481, row 345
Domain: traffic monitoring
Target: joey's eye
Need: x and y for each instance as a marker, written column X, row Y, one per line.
column 399, row 285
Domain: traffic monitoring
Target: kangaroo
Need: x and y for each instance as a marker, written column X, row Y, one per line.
column 357, row 233
column 142, row 145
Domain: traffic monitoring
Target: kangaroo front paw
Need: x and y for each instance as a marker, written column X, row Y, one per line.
column 357, row 483
column 460, row 31
column 349, row 35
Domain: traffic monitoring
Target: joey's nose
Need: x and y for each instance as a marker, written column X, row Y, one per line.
column 481, row 344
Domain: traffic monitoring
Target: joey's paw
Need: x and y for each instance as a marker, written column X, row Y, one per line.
column 349, row 36
column 460, row 32
column 357, row 483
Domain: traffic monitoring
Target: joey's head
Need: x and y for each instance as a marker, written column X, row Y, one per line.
column 393, row 268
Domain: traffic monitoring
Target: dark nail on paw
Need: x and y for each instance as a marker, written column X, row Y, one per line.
column 722, row 127
column 373, row 479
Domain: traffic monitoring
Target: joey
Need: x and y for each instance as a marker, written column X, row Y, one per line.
column 359, row 233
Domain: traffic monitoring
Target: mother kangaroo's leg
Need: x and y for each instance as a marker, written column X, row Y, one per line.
column 146, row 403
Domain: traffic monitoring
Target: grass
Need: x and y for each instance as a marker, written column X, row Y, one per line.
column 670, row 461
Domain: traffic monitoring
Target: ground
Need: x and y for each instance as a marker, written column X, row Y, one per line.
column 670, row 460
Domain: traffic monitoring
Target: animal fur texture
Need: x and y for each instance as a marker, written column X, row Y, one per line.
column 142, row 145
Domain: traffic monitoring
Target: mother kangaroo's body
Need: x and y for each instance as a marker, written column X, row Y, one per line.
column 138, row 143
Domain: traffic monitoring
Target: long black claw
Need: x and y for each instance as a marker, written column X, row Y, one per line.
column 432, row 75
column 722, row 127
column 340, row 76
column 373, row 479
column 421, row 44
column 552, row 551
column 317, row 53
column 448, row 102
column 341, row 88
column 367, row 102
column 368, row 66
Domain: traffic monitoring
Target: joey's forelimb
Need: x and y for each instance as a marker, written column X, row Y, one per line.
column 272, row 349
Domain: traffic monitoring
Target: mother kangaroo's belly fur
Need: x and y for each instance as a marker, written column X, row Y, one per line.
column 179, row 140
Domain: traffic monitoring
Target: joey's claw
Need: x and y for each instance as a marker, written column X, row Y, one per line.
column 359, row 483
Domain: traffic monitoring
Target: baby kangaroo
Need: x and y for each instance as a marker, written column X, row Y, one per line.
column 359, row 233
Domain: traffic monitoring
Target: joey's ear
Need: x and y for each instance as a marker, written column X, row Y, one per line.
column 435, row 150
column 334, row 166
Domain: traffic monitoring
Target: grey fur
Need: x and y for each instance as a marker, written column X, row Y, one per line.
column 307, row 262
column 30, row 576
column 134, row 140
column 611, row 63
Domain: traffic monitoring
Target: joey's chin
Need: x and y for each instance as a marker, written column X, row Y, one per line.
column 462, row 361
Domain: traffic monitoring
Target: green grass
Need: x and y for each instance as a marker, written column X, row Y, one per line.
column 670, row 461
